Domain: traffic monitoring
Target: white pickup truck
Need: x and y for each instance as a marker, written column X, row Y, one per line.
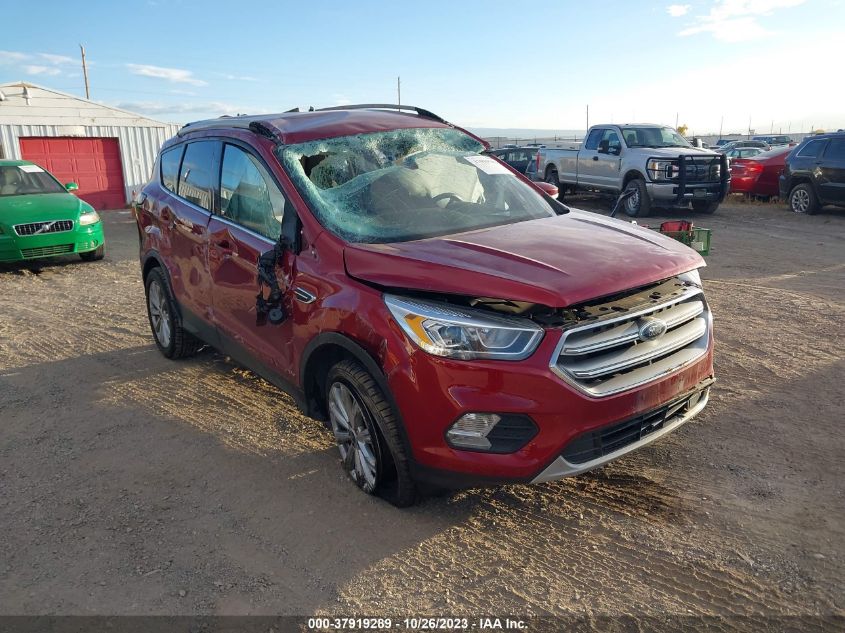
column 659, row 164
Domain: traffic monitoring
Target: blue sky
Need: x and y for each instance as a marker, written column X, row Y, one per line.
column 481, row 64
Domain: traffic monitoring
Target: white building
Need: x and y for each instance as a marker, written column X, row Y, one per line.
column 108, row 152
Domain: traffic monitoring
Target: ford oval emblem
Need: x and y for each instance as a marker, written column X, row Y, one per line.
column 651, row 328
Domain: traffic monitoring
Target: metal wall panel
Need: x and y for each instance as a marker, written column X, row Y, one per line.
column 138, row 145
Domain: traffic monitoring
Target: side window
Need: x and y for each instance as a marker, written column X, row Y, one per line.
column 593, row 139
column 169, row 165
column 836, row 149
column 196, row 181
column 612, row 139
column 813, row 149
column 248, row 196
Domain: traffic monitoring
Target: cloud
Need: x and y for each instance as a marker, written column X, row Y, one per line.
column 174, row 75
column 677, row 10
column 213, row 108
column 737, row 20
column 46, row 64
column 32, row 69
column 230, row 77
column 12, row 57
column 57, row 60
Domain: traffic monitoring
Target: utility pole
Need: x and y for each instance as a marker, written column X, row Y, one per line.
column 676, row 120
column 85, row 73
column 398, row 91
column 721, row 122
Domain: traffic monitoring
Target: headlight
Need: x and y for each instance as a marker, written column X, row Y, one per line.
column 662, row 169
column 88, row 217
column 693, row 277
column 454, row 332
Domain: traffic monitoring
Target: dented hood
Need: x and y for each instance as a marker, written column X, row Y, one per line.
column 556, row 262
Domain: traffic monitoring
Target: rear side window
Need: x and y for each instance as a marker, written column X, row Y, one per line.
column 170, row 168
column 196, row 183
column 248, row 195
column 813, row 149
column 836, row 149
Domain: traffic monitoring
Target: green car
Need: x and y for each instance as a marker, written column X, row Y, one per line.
column 40, row 218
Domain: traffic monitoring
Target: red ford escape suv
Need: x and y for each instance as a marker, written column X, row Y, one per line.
column 453, row 324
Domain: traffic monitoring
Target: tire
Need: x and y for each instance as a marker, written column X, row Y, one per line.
column 802, row 199
column 705, row 207
column 171, row 338
column 372, row 454
column 638, row 205
column 95, row 255
column 552, row 179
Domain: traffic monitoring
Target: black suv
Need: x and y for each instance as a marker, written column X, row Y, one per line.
column 517, row 157
column 814, row 174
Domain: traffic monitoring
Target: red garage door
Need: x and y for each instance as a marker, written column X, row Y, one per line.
column 92, row 163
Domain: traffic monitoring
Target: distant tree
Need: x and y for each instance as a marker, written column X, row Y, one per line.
column 683, row 129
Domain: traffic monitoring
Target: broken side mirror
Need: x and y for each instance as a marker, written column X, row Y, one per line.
column 604, row 147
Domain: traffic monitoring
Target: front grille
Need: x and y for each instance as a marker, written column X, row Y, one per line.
column 40, row 228
column 46, row 251
column 702, row 168
column 610, row 439
column 613, row 354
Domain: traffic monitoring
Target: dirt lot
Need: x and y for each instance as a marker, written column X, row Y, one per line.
column 130, row 484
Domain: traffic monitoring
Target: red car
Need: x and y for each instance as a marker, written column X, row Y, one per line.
column 758, row 176
column 450, row 322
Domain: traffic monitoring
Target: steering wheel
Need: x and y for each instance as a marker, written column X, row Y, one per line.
column 447, row 195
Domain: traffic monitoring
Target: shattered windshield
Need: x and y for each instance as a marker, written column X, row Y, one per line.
column 407, row 184
column 653, row 137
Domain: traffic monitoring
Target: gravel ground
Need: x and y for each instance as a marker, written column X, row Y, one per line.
column 130, row 484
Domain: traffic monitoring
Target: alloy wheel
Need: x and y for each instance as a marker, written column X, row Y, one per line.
column 159, row 314
column 800, row 201
column 354, row 435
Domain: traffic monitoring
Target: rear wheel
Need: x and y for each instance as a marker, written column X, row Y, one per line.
column 802, row 199
column 367, row 434
column 705, row 207
column 170, row 337
column 639, row 204
column 552, row 178
column 95, row 255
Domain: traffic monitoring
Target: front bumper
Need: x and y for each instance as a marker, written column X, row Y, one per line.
column 693, row 192
column 645, row 429
column 431, row 393
column 81, row 239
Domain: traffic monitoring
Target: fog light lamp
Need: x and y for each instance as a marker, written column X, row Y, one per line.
column 471, row 430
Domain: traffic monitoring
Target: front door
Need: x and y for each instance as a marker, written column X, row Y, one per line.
column 599, row 161
column 249, row 223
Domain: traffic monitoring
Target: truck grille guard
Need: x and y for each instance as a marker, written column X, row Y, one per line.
column 690, row 168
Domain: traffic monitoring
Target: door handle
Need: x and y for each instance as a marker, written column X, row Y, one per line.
column 595, row 157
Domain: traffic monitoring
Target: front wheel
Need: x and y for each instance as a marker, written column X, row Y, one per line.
column 367, row 434
column 802, row 199
column 639, row 204
column 705, row 207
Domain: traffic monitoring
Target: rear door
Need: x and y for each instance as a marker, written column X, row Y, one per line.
column 188, row 177
column 249, row 222
column 832, row 172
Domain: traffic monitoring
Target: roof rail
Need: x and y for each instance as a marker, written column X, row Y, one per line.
column 388, row 106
